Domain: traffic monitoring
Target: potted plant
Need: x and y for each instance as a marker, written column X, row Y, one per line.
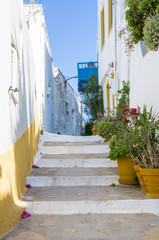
column 119, row 143
column 119, row 151
column 143, row 148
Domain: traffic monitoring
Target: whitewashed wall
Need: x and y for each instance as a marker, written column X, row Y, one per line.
column 15, row 118
column 140, row 69
column 68, row 108
column 106, row 55
column 144, row 79
column 44, row 77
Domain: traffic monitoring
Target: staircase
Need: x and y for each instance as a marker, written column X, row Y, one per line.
column 75, row 194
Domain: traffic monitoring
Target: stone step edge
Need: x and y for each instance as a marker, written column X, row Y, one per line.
column 84, row 163
column 67, row 143
column 94, row 207
column 47, row 181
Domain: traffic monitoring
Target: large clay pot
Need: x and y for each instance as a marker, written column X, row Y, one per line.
column 126, row 171
column 151, row 178
column 140, row 178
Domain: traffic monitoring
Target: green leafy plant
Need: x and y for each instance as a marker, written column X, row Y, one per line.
column 88, row 129
column 108, row 126
column 92, row 98
column 144, row 140
column 106, row 129
column 151, row 32
column 118, row 148
column 137, row 11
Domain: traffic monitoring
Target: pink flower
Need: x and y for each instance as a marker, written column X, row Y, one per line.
column 28, row 186
column 25, row 214
column 126, row 120
column 96, row 85
column 40, row 153
column 90, row 106
column 83, row 86
column 35, row 166
column 90, row 77
column 95, row 120
column 99, row 98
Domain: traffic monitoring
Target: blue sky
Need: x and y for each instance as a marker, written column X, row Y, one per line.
column 72, row 29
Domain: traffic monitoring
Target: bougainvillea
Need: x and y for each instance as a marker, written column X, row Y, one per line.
column 92, row 99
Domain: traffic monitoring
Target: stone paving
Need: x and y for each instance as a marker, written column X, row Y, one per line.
column 76, row 195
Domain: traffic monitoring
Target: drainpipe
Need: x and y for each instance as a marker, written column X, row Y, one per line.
column 115, row 45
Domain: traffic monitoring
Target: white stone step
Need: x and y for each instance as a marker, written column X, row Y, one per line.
column 74, row 149
column 71, row 163
column 56, row 137
column 43, row 181
column 93, row 207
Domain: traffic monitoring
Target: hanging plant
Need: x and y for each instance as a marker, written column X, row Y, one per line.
column 136, row 13
column 151, row 32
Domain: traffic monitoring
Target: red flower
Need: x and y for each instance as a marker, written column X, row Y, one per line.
column 126, row 120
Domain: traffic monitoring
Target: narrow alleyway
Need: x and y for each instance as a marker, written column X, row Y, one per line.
column 75, row 195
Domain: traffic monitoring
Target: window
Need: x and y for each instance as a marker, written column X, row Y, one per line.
column 102, row 29
column 110, row 15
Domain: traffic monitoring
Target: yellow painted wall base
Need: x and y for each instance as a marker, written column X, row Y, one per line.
column 15, row 165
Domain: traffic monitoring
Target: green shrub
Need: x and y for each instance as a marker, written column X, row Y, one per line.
column 151, row 32
column 105, row 129
column 137, row 11
column 88, row 129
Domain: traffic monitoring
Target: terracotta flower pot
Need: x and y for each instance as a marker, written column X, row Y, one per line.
column 151, row 178
column 140, row 178
column 126, row 171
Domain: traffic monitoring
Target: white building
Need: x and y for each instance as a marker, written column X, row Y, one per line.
column 114, row 65
column 68, row 107
column 50, row 83
column 28, row 82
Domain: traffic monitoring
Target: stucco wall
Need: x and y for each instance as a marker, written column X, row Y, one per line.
column 44, row 78
column 144, row 79
column 68, row 108
column 106, row 55
column 19, row 128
